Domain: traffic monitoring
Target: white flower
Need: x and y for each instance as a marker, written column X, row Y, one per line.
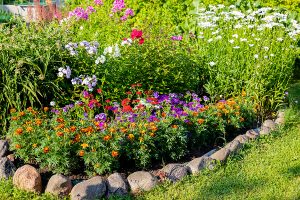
column 243, row 40
column 52, row 103
column 68, row 72
column 231, row 41
column 212, row 64
column 272, row 55
column 100, row 59
column 81, row 27
column 209, row 40
column 60, row 69
column 266, row 48
column 219, row 37
column 279, row 39
column 236, row 47
column 235, row 35
column 265, row 57
column 251, row 45
column 108, row 50
column 256, row 56
column 60, row 74
column 296, row 101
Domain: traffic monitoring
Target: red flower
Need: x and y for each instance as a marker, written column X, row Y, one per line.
column 107, row 101
column 139, row 93
column 108, row 107
column 136, row 34
column 141, row 41
column 127, row 108
column 99, row 91
column 129, row 92
column 125, row 102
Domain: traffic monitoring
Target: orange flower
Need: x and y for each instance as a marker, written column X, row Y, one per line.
column 19, row 131
column 72, row 128
column 93, row 149
column 18, row 146
column 152, row 134
column 220, row 105
column 153, row 128
column 28, row 122
column 163, row 114
column 142, row 132
column 141, row 139
column 77, row 138
column 46, row 109
column 66, row 130
column 29, row 109
column 195, row 114
column 242, row 119
column 225, row 111
column 84, row 145
column 231, row 102
column 243, row 93
column 29, row 129
column 114, row 154
column 174, row 126
column 34, row 145
column 106, row 138
column 60, row 134
column 200, row 121
column 21, row 114
column 46, row 149
column 237, row 113
column 14, row 118
column 13, row 110
column 112, row 130
column 133, row 125
column 219, row 114
column 38, row 122
column 123, row 130
column 60, row 120
column 130, row 136
column 81, row 153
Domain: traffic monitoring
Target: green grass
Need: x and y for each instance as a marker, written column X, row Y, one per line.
column 266, row 169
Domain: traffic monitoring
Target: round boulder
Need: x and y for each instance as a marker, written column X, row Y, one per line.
column 59, row 185
column 270, row 124
column 28, row 178
column 7, row 168
column 141, row 181
column 116, row 185
column 90, row 189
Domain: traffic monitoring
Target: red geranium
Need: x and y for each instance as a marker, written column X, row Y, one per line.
column 136, row 34
column 125, row 102
column 127, row 109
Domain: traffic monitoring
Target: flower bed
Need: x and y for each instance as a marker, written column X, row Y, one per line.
column 143, row 128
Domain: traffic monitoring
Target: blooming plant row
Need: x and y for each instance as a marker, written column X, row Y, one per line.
column 143, row 128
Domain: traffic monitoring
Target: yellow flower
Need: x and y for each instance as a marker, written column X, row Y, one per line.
column 84, row 145
column 34, row 145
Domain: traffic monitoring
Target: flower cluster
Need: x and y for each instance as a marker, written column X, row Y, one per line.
column 64, row 72
column 128, row 12
column 177, row 38
column 137, row 34
column 81, row 13
column 98, row 2
column 118, row 5
column 88, row 81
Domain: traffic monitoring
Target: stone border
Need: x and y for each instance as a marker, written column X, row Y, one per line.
column 28, row 178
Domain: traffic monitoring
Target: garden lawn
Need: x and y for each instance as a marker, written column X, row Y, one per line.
column 266, row 169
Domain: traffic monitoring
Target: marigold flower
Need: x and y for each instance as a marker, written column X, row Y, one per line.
column 142, row 132
column 219, row 114
column 29, row 129
column 18, row 146
column 112, row 130
column 21, row 114
column 14, row 118
column 114, row 154
column 242, row 119
column 200, row 121
column 13, row 110
column 225, row 111
column 72, row 128
column 60, row 134
column 29, row 109
column 46, row 109
column 152, row 134
column 141, row 139
column 106, row 138
column 81, row 153
column 123, row 130
column 84, row 145
column 237, row 113
column 19, row 131
column 38, row 122
column 195, row 114
column 163, row 114
column 34, row 145
column 244, row 93
column 174, row 126
column 130, row 136
column 60, row 120
column 77, row 138
column 133, row 125
column 153, row 128
column 46, row 149
column 220, row 105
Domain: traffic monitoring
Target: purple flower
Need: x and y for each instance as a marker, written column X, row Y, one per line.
column 176, row 38
column 101, row 117
column 90, row 9
column 85, row 114
column 118, row 5
column 128, row 12
column 155, row 94
column 55, row 111
column 124, row 18
column 286, row 93
column 85, row 94
column 205, row 98
column 152, row 118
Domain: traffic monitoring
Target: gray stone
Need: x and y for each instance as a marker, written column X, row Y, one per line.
column 242, row 139
column 4, row 146
column 252, row 134
column 141, row 181
column 197, row 164
column 233, row 146
column 265, row 130
column 279, row 121
column 175, row 172
column 116, row 184
column 90, row 189
column 270, row 124
column 59, row 185
column 28, row 178
column 7, row 168
column 221, row 155
column 210, row 152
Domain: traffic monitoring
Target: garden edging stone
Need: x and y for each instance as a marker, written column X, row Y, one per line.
column 116, row 184
column 59, row 185
column 141, row 181
column 175, row 172
column 28, row 178
column 7, row 168
column 4, row 146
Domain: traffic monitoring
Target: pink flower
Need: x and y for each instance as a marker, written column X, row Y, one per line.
column 128, row 12
column 98, row 2
column 136, row 34
column 124, row 18
column 118, row 5
column 177, row 38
